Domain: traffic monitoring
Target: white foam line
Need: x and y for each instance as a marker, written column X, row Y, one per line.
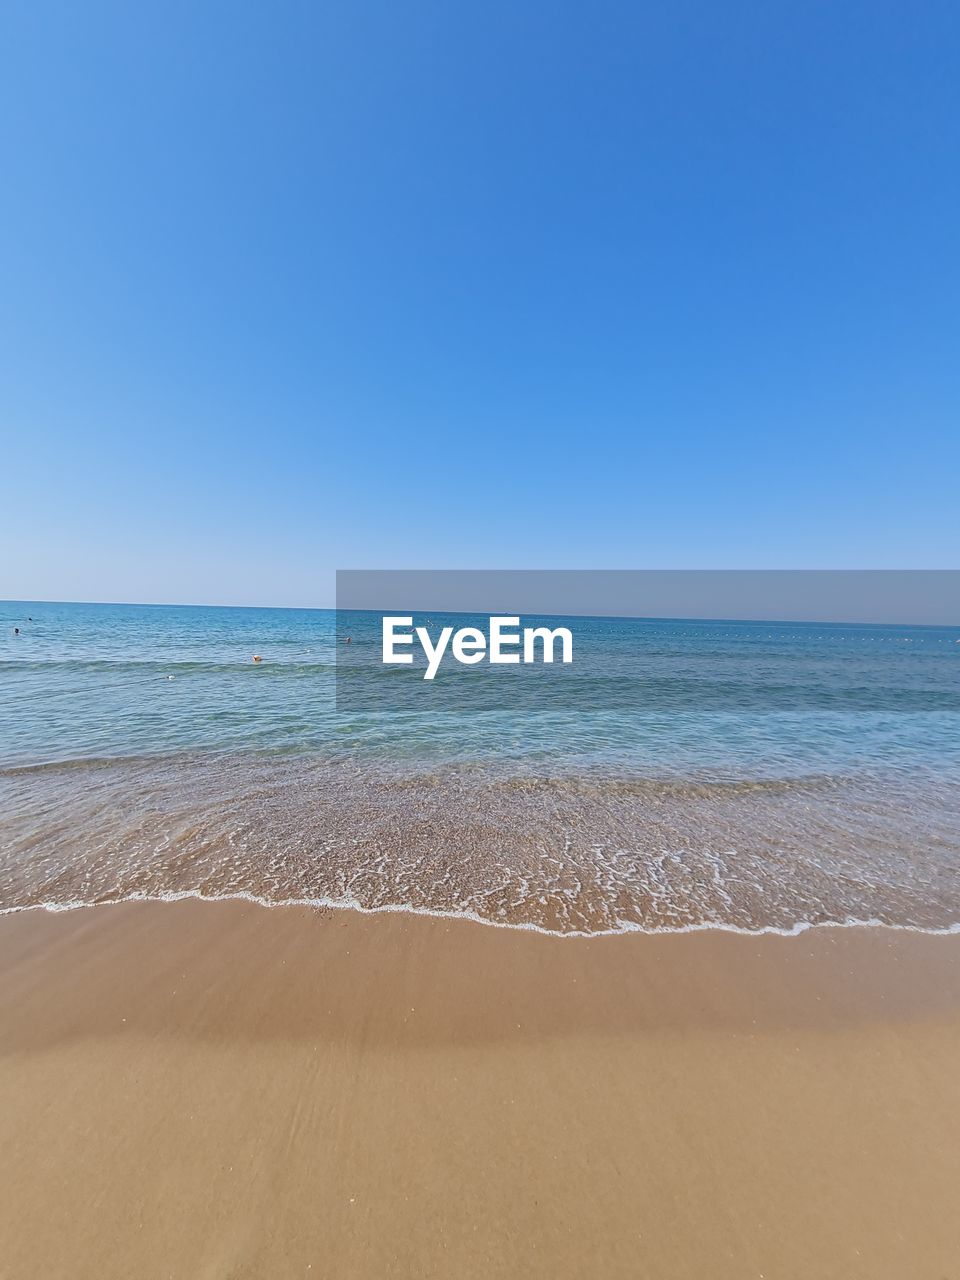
column 706, row 926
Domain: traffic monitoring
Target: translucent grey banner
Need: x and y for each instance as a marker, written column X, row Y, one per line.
column 536, row 641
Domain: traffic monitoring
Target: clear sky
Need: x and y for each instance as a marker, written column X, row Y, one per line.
column 291, row 287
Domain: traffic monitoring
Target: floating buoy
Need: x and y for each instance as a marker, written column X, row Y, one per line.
column 257, row 658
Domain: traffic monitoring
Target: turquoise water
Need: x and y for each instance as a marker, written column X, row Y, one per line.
column 751, row 775
column 129, row 680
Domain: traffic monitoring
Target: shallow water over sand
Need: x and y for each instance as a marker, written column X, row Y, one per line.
column 787, row 776
column 573, row 853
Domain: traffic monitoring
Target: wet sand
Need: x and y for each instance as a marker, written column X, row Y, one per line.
column 221, row 1090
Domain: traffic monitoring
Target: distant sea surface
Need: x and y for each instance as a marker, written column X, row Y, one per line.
column 755, row 776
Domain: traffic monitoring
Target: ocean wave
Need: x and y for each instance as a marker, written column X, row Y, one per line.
column 582, row 853
column 329, row 904
column 161, row 667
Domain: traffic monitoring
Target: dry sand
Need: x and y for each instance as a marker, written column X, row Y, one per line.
column 220, row 1090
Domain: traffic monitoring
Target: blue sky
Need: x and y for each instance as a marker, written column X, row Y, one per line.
column 294, row 287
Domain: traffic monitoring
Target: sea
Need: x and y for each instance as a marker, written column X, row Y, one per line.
column 678, row 775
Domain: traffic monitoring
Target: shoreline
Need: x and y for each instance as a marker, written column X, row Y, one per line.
column 468, row 917
column 565, row 855
column 200, row 1088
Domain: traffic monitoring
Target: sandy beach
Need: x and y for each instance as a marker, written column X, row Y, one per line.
column 219, row 1089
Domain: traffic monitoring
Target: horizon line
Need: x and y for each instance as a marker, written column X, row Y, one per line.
column 465, row 613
